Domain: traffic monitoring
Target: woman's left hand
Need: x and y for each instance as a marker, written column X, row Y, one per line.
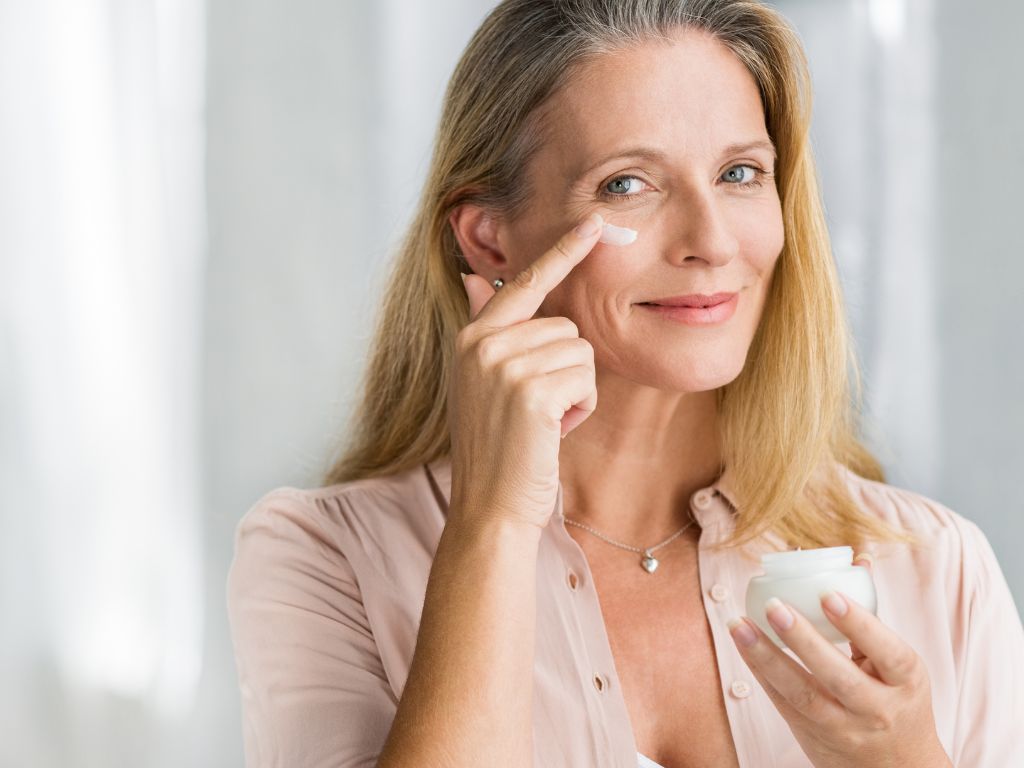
column 874, row 709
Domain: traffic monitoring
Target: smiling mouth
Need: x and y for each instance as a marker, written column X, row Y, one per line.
column 702, row 305
column 704, row 315
column 692, row 300
column 683, row 306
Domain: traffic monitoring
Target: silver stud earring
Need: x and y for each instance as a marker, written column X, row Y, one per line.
column 498, row 283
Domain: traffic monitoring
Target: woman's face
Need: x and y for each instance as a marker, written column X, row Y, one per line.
column 642, row 137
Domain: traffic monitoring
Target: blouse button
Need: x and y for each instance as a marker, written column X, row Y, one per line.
column 702, row 499
column 573, row 581
column 740, row 689
column 599, row 683
column 719, row 592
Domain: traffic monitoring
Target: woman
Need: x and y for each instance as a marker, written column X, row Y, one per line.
column 465, row 589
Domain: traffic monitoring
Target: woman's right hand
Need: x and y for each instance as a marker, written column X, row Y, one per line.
column 519, row 385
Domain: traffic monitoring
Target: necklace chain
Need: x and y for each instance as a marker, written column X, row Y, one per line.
column 627, row 546
column 648, row 562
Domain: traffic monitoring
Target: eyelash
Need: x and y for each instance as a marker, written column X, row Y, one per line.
column 760, row 175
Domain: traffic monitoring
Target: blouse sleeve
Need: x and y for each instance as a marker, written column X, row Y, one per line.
column 990, row 709
column 314, row 691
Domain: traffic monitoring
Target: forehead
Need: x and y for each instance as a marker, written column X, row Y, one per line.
column 690, row 95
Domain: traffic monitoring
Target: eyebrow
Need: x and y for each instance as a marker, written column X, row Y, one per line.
column 649, row 153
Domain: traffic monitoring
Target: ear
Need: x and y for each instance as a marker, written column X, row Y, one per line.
column 477, row 233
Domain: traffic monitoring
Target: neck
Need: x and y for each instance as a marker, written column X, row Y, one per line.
column 630, row 469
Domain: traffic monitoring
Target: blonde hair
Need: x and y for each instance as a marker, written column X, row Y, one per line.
column 787, row 423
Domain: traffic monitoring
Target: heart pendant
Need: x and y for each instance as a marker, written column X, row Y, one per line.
column 649, row 563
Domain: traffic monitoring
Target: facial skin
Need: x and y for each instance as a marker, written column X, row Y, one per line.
column 652, row 435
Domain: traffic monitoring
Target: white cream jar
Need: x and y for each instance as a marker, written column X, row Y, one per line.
column 799, row 577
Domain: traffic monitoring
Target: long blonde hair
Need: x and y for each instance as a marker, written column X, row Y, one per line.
column 787, row 422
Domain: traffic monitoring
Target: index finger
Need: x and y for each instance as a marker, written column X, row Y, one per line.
column 521, row 297
column 895, row 661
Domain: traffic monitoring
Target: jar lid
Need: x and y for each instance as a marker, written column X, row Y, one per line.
column 807, row 560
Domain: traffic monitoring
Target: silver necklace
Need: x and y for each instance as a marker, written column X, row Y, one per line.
column 648, row 562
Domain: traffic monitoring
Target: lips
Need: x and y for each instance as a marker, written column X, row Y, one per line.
column 695, row 300
column 706, row 316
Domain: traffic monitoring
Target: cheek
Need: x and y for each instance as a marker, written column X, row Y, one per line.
column 605, row 279
column 763, row 241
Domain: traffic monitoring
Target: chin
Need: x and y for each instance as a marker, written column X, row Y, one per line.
column 688, row 373
column 704, row 383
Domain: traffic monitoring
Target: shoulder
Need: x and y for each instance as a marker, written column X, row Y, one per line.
column 345, row 510
column 947, row 538
column 379, row 531
column 905, row 508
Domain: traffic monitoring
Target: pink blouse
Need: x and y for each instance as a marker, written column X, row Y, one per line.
column 327, row 586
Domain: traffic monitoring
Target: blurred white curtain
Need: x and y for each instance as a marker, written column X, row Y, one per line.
column 101, row 247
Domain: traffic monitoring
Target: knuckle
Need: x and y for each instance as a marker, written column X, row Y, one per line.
column 848, row 684
column 511, row 369
column 880, row 722
column 588, row 363
column 527, row 279
column 490, row 350
column 909, row 664
column 760, row 654
column 837, row 722
column 561, row 249
column 570, row 327
column 530, row 393
column 581, row 376
column 805, row 698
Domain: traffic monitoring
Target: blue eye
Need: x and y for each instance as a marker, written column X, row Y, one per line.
column 621, row 185
column 756, row 181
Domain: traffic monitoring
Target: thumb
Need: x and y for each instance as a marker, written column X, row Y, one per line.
column 479, row 292
column 856, row 653
column 864, row 559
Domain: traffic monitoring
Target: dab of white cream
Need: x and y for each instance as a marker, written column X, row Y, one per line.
column 617, row 235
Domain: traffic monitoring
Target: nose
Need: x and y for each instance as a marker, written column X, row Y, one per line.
column 702, row 230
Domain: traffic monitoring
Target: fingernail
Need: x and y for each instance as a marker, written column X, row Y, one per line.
column 778, row 614
column 617, row 235
column 865, row 557
column 741, row 632
column 833, row 602
column 589, row 226
column 463, row 276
